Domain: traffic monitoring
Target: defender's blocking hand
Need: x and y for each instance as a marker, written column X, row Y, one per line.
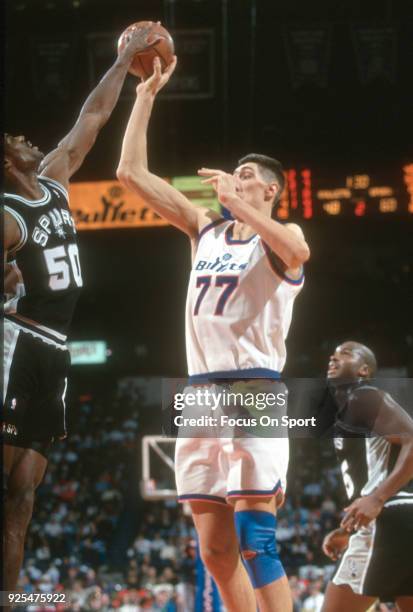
column 138, row 42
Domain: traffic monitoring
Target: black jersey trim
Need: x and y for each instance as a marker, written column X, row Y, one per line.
column 23, row 228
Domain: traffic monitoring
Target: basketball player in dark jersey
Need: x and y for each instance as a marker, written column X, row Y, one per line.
column 43, row 276
column 373, row 438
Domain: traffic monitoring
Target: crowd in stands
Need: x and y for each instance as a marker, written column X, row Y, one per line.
column 93, row 538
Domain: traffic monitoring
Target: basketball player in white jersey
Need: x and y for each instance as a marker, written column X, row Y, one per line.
column 245, row 276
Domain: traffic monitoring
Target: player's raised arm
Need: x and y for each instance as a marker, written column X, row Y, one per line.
column 67, row 158
column 133, row 166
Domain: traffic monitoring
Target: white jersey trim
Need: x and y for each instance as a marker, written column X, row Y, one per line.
column 11, row 348
column 26, row 330
column 47, row 330
column 399, row 502
column 64, row 406
column 375, row 477
column 35, row 203
column 56, row 184
column 22, row 226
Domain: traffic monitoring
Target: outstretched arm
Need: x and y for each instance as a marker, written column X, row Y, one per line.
column 67, row 158
column 133, row 166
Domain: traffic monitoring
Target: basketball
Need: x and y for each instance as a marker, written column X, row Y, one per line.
column 142, row 63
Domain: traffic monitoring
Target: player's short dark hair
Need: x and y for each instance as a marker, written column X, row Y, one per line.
column 366, row 355
column 270, row 168
column 369, row 359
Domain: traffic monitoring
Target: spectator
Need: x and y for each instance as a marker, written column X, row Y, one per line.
column 314, row 602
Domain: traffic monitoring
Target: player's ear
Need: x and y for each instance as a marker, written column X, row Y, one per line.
column 271, row 190
column 364, row 371
column 7, row 164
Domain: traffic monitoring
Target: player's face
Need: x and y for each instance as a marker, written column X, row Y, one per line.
column 21, row 153
column 345, row 363
column 250, row 186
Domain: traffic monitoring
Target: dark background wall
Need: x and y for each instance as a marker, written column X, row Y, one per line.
column 359, row 280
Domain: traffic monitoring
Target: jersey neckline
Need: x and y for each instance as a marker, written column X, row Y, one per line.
column 42, row 200
column 230, row 240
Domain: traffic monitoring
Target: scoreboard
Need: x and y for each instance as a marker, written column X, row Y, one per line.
column 312, row 193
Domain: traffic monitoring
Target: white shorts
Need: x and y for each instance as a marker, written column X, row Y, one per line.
column 354, row 564
column 215, row 469
column 377, row 562
column 226, row 455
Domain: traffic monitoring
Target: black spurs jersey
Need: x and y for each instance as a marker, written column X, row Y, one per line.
column 365, row 459
column 46, row 262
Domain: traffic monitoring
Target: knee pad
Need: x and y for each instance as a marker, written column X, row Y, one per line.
column 256, row 536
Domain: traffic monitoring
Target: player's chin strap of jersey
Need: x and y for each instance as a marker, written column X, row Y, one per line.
column 256, row 536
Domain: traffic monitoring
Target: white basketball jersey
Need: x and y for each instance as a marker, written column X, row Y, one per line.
column 239, row 307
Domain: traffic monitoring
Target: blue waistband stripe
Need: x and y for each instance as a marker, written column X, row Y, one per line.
column 235, row 375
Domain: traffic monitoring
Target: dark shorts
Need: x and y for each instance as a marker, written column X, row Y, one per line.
column 35, row 381
column 378, row 561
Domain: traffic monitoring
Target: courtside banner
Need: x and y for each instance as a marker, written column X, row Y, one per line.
column 108, row 205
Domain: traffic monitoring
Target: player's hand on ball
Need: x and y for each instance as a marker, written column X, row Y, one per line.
column 335, row 543
column 361, row 512
column 158, row 79
column 138, row 41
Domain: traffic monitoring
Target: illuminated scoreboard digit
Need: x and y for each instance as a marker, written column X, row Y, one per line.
column 313, row 193
column 408, row 181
